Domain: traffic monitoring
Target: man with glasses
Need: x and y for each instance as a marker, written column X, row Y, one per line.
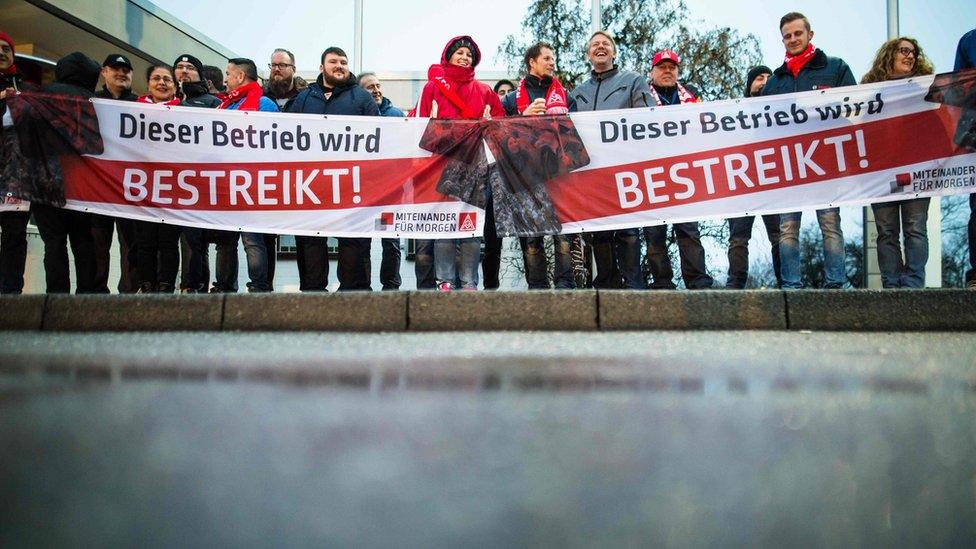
column 195, row 260
column 284, row 83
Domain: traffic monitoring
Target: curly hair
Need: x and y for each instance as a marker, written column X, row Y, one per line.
column 884, row 60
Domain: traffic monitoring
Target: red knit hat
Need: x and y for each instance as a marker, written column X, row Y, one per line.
column 6, row 38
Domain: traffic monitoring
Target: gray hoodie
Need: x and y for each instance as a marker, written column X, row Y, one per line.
column 614, row 89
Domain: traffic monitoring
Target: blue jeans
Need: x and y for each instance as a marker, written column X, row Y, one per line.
column 537, row 265
column 256, row 251
column 833, row 248
column 914, row 214
column 467, row 252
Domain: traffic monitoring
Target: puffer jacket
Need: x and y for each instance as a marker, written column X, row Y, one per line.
column 474, row 94
column 821, row 72
column 347, row 98
column 387, row 109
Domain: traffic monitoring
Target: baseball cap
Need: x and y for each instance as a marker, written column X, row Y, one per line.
column 117, row 59
column 666, row 55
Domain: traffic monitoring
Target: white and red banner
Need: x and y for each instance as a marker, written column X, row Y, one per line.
column 602, row 170
column 11, row 204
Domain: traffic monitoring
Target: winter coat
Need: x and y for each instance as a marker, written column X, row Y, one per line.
column 105, row 94
column 819, row 73
column 75, row 74
column 613, row 89
column 667, row 94
column 346, row 98
column 197, row 94
column 387, row 109
column 536, row 88
column 966, row 51
column 476, row 95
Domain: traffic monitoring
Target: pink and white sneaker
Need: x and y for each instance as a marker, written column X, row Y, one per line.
column 445, row 286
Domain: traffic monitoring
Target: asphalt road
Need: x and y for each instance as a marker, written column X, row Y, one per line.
column 488, row 439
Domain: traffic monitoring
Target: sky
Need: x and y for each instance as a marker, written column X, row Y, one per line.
column 409, row 36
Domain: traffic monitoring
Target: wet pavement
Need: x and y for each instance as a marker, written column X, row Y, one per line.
column 488, row 439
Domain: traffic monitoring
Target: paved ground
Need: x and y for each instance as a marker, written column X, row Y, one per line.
column 488, row 439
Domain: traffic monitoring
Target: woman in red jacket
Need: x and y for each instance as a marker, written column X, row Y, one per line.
column 453, row 93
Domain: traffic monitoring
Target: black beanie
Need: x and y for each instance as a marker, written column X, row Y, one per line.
column 753, row 74
column 464, row 42
column 187, row 58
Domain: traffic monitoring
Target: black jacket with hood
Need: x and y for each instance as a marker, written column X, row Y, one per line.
column 75, row 74
column 197, row 94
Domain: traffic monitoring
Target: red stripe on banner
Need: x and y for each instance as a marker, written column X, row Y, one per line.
column 257, row 186
column 755, row 167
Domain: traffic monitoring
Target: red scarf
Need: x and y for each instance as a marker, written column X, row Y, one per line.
column 795, row 63
column 556, row 102
column 12, row 69
column 148, row 99
column 446, row 77
column 251, row 92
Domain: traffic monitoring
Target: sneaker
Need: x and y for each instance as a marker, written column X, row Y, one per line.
column 445, row 286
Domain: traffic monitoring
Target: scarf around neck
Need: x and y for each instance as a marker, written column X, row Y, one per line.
column 447, row 78
column 684, row 96
column 795, row 63
column 556, row 102
column 251, row 92
column 148, row 99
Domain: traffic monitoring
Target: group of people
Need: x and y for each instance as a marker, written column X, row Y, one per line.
column 151, row 252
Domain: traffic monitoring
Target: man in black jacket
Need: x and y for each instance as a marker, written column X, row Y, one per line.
column 117, row 74
column 334, row 92
column 75, row 74
column 195, row 263
column 533, row 91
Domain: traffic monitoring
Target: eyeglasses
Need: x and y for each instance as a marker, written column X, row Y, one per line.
column 158, row 78
column 279, row 66
column 185, row 67
column 907, row 51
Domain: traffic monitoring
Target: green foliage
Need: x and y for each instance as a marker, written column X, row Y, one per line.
column 713, row 60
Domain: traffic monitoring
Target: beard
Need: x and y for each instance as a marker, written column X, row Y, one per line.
column 332, row 81
column 282, row 85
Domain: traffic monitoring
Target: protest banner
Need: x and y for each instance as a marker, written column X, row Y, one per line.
column 590, row 171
